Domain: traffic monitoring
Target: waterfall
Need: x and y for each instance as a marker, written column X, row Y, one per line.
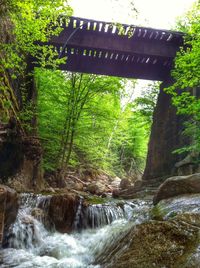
column 27, row 232
column 31, row 244
column 95, row 216
column 78, row 214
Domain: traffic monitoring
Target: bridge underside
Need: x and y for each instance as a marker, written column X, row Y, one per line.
column 100, row 48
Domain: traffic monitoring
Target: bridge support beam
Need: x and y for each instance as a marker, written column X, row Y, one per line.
column 164, row 139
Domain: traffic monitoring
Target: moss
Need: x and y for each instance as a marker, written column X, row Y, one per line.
column 154, row 244
column 94, row 200
column 158, row 212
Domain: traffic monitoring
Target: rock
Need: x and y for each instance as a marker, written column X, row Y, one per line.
column 190, row 218
column 92, row 188
column 194, row 260
column 115, row 183
column 78, row 186
column 42, row 216
column 165, row 137
column 153, row 244
column 50, row 190
column 8, row 209
column 168, row 208
column 96, row 188
column 116, row 193
column 178, row 185
column 138, row 183
column 27, row 220
column 124, row 184
column 62, row 211
column 183, row 209
column 124, row 193
column 28, row 175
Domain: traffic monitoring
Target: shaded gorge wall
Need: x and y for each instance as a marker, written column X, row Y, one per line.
column 165, row 138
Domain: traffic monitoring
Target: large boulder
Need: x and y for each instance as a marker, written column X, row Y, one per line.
column 62, row 211
column 153, row 244
column 178, row 185
column 8, row 209
column 97, row 188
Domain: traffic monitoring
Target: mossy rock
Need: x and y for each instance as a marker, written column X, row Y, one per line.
column 95, row 200
column 190, row 218
column 153, row 244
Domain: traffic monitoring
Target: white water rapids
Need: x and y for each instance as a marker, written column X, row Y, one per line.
column 31, row 245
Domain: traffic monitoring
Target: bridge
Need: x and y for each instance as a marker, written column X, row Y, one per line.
column 101, row 48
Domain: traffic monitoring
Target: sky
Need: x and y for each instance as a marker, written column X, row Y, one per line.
column 160, row 14
column 151, row 13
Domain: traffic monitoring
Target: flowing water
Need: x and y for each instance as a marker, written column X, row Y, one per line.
column 30, row 244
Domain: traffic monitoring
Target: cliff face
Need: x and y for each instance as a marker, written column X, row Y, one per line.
column 165, row 138
column 20, row 159
column 20, row 151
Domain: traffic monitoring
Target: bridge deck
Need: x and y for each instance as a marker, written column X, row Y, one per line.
column 100, row 48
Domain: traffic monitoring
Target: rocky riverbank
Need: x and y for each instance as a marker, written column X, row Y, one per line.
column 167, row 235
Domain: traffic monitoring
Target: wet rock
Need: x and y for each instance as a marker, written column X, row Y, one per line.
column 27, row 220
column 178, row 185
column 168, row 208
column 153, row 244
column 38, row 213
column 194, row 260
column 124, row 184
column 42, row 216
column 29, row 175
column 62, row 211
column 8, row 209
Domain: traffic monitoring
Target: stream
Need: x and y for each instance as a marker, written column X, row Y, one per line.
column 31, row 244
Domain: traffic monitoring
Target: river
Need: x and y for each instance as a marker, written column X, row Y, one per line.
column 31, row 244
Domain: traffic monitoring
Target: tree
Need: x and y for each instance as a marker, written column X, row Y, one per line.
column 75, row 113
column 24, row 24
column 185, row 90
column 134, row 130
column 91, row 121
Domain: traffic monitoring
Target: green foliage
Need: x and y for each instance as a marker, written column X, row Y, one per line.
column 74, row 108
column 134, row 130
column 23, row 26
column 82, row 122
column 185, row 95
column 33, row 21
column 147, row 102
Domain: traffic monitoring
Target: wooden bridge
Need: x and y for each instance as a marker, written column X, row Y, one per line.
column 100, row 48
